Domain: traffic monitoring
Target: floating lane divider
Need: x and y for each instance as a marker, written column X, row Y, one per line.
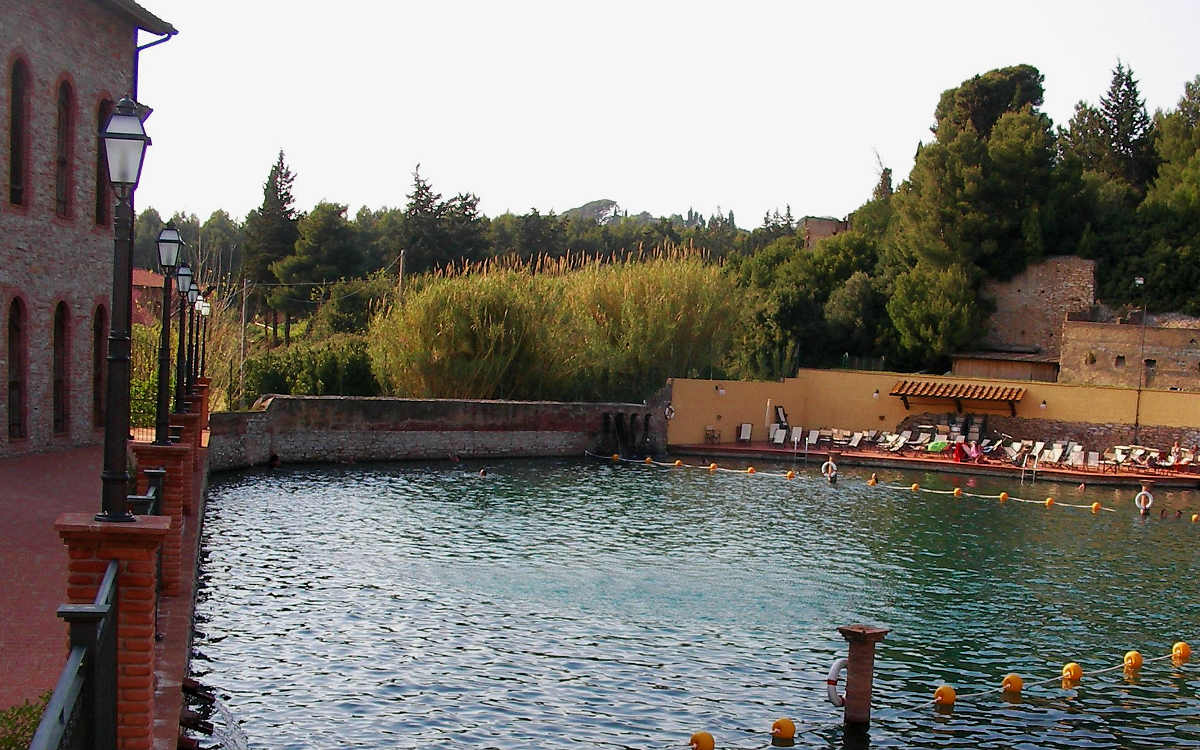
column 1004, row 497
column 784, row 730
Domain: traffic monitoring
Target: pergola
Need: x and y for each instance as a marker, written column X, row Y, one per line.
column 957, row 393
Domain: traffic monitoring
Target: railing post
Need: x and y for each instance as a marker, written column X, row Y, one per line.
column 94, row 627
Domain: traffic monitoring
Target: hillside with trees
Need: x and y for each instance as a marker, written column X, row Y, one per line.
column 997, row 186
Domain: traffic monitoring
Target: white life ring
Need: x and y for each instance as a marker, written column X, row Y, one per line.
column 1143, row 500
column 829, row 468
column 835, row 671
column 669, row 412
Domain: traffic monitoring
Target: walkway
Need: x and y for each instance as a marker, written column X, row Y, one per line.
column 34, row 490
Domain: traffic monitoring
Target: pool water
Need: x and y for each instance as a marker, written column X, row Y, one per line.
column 563, row 603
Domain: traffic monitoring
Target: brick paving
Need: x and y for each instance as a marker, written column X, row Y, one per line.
column 34, row 490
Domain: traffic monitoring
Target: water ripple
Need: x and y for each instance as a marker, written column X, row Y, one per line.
column 557, row 603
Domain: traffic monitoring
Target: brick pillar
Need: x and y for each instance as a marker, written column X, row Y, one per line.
column 189, row 424
column 860, row 671
column 90, row 545
column 202, row 388
column 177, row 460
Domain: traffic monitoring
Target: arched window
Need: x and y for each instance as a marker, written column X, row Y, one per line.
column 16, row 370
column 18, row 133
column 65, row 129
column 103, row 194
column 99, row 369
column 59, row 374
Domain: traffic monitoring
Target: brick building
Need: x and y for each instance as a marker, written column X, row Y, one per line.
column 65, row 63
column 815, row 228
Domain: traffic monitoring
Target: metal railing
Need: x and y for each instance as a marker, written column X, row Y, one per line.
column 82, row 712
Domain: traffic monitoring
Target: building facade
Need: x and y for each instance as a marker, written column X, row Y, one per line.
column 65, row 64
column 1129, row 354
column 1031, row 306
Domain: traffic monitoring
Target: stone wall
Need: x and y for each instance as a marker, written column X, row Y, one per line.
column 302, row 429
column 1114, row 354
column 91, row 48
column 1031, row 306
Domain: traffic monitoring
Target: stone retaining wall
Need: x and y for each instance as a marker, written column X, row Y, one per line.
column 303, row 429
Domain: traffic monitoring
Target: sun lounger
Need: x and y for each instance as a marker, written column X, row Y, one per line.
column 1038, row 447
column 797, row 436
column 1053, row 455
column 781, row 415
column 1093, row 460
column 855, row 440
column 744, row 432
column 814, row 437
column 921, row 441
column 779, row 436
column 771, row 430
column 901, row 440
column 1075, row 457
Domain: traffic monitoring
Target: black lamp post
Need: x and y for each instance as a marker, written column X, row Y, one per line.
column 183, row 282
column 205, row 310
column 169, row 244
column 192, row 295
column 125, row 143
column 1140, row 283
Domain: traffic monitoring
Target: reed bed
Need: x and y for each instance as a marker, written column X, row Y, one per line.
column 570, row 327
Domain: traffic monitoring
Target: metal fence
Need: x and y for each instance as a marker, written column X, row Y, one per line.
column 82, row 712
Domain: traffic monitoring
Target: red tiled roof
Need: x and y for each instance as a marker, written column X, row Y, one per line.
column 143, row 277
column 972, row 391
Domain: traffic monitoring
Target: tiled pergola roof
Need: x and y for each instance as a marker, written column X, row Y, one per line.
column 957, row 392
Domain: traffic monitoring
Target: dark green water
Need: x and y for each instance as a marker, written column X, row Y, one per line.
column 563, row 603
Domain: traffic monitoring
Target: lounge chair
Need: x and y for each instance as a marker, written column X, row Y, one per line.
column 744, row 432
column 814, row 437
column 921, row 441
column 1053, row 455
column 771, row 430
column 1038, row 447
column 870, row 436
column 1093, row 460
column 855, row 439
column 1075, row 457
column 779, row 436
column 901, row 440
column 781, row 415
column 797, row 436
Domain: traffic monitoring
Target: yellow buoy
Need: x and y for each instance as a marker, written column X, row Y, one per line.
column 749, row 469
column 1003, row 496
column 616, row 456
column 1072, row 671
column 1012, row 683
column 783, row 729
column 872, row 481
column 1181, row 651
column 944, row 696
column 702, row 741
column 1049, row 502
column 1095, row 507
column 712, row 467
column 958, row 491
column 790, row 474
column 649, row 460
column 1133, row 660
column 1195, row 517
column 678, row 462
column 915, row 487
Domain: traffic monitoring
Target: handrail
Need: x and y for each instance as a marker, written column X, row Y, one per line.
column 82, row 711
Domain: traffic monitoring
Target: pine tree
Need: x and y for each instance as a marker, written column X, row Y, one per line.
column 1128, row 130
column 271, row 228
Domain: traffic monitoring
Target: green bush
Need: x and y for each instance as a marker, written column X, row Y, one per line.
column 556, row 329
column 143, row 401
column 338, row 366
column 18, row 723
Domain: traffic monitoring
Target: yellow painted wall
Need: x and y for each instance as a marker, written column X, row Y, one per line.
column 845, row 399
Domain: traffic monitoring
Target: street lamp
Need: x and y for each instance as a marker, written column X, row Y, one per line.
column 125, row 143
column 1140, row 283
column 204, row 312
column 183, row 282
column 193, row 294
column 169, row 245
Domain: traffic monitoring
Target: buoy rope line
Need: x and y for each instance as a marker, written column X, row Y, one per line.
column 1072, row 674
column 789, row 475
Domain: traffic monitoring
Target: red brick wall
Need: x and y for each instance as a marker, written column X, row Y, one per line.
column 41, row 254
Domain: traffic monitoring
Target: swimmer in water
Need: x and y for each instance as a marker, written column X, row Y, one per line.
column 483, row 472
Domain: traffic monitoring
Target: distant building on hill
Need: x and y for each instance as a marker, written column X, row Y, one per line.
column 815, row 228
column 65, row 63
column 1130, row 354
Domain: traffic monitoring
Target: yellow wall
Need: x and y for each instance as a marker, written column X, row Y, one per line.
column 844, row 399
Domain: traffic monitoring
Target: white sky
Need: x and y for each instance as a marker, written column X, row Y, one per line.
column 657, row 105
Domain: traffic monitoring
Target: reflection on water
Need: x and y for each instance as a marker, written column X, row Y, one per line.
column 555, row 603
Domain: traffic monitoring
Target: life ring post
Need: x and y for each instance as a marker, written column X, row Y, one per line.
column 860, row 671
